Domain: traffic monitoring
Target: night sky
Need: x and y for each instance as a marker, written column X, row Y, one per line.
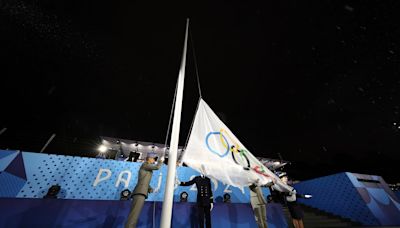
column 316, row 81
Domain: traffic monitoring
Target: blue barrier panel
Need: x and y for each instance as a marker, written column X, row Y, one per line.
column 366, row 199
column 30, row 175
column 112, row 213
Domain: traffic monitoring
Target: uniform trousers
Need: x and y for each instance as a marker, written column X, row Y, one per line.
column 260, row 212
column 136, row 208
column 203, row 213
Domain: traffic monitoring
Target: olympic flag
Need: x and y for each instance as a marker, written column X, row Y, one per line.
column 214, row 150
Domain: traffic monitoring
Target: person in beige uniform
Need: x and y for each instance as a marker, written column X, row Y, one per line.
column 142, row 188
column 259, row 205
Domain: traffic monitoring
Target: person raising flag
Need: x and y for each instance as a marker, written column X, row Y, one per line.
column 204, row 197
column 142, row 188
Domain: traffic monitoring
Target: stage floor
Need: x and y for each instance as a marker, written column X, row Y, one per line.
column 22, row 212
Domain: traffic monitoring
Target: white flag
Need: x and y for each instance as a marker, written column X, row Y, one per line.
column 214, row 150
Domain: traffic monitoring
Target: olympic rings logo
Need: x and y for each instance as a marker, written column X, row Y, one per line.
column 238, row 155
column 223, row 140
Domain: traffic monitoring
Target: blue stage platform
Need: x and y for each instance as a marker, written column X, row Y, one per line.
column 30, row 175
column 19, row 212
column 365, row 199
column 90, row 192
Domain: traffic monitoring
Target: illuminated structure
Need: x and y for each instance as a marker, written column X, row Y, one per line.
column 125, row 147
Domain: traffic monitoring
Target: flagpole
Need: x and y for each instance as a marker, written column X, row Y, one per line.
column 166, row 213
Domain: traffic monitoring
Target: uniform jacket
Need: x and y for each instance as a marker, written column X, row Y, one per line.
column 285, row 197
column 204, row 192
column 256, row 196
column 144, row 178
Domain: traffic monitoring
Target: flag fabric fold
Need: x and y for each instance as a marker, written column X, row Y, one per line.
column 214, row 150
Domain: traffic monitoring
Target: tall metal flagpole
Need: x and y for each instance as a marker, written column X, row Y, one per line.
column 169, row 188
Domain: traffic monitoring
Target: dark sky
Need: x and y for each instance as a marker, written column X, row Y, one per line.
column 316, row 81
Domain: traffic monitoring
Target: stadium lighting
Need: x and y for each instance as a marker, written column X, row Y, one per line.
column 227, row 198
column 125, row 194
column 102, row 148
column 184, row 197
column 52, row 192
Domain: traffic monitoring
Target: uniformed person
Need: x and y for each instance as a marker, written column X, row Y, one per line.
column 290, row 199
column 204, row 198
column 258, row 204
column 142, row 188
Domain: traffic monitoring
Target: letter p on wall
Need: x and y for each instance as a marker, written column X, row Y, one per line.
column 99, row 177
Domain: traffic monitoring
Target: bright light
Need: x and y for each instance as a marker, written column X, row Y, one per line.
column 102, row 148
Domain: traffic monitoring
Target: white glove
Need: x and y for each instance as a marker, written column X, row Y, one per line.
column 268, row 184
column 212, row 206
column 177, row 181
column 307, row 196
